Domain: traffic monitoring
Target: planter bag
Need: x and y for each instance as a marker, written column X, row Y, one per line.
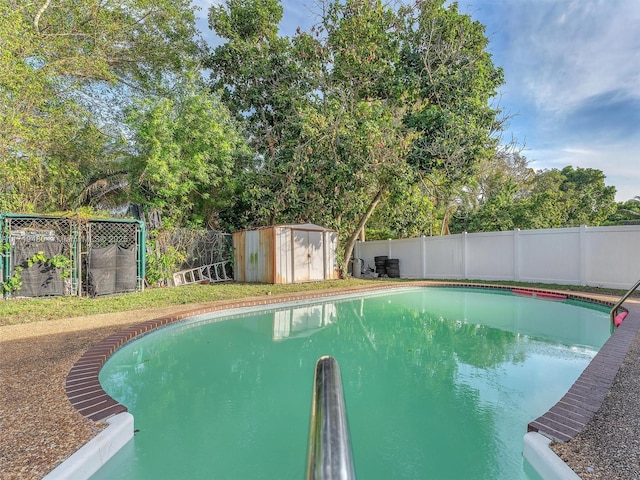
column 40, row 279
column 126, row 269
column 101, row 272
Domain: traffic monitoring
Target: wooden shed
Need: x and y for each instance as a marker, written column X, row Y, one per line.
column 285, row 254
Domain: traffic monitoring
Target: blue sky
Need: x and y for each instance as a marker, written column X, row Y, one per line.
column 572, row 71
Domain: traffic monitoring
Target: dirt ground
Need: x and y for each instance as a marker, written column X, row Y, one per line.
column 40, row 428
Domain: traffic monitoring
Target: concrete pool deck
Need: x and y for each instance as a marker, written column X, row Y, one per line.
column 96, row 407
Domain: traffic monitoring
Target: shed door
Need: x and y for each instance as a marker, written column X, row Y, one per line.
column 308, row 256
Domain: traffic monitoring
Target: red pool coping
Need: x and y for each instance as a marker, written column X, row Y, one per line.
column 539, row 293
column 561, row 423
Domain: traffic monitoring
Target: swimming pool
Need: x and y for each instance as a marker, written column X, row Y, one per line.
column 439, row 383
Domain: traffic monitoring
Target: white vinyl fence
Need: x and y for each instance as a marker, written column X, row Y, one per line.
column 607, row 257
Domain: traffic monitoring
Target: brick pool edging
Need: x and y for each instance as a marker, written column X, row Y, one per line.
column 561, row 423
column 577, row 407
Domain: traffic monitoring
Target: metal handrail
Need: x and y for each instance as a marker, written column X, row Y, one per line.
column 614, row 310
column 330, row 455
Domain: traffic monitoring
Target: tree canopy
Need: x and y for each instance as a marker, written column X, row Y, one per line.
column 187, row 152
column 62, row 65
column 553, row 198
column 371, row 101
column 379, row 119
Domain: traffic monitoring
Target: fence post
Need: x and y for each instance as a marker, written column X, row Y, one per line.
column 516, row 254
column 583, row 255
column 77, row 260
column 464, row 256
column 4, row 256
column 423, row 255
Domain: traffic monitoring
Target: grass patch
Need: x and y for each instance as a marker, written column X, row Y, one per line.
column 42, row 309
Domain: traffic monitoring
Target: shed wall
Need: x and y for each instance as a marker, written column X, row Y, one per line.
column 284, row 260
column 285, row 254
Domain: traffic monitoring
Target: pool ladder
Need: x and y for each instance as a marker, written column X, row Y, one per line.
column 614, row 310
column 330, row 455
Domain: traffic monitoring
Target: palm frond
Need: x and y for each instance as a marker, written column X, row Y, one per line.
column 99, row 189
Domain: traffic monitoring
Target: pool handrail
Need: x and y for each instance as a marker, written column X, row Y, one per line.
column 330, row 456
column 614, row 310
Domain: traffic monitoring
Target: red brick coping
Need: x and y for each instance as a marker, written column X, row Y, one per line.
column 577, row 407
column 561, row 423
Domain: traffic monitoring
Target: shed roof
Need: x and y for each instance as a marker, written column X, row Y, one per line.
column 294, row 226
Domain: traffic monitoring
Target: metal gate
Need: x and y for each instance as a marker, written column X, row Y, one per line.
column 114, row 256
column 39, row 256
column 54, row 256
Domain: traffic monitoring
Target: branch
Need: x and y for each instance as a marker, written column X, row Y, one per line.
column 36, row 20
column 86, row 35
column 630, row 211
column 363, row 220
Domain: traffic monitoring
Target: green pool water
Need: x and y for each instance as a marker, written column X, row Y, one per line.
column 439, row 384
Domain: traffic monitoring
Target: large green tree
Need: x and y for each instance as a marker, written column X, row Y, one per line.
column 627, row 213
column 188, row 155
column 588, row 200
column 356, row 138
column 266, row 80
column 371, row 101
column 448, row 69
column 551, row 199
column 62, row 64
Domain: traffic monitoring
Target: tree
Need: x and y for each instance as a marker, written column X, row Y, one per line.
column 336, row 112
column 354, row 157
column 627, row 213
column 408, row 213
column 187, row 156
column 491, row 198
column 357, row 136
column 446, row 66
column 61, row 64
column 267, row 81
column 588, row 200
column 555, row 199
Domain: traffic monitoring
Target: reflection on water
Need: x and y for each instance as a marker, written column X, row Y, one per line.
column 302, row 321
column 439, row 383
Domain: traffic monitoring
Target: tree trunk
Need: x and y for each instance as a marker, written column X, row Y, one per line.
column 356, row 233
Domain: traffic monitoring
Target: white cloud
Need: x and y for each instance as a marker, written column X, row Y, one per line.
column 573, row 77
column 566, row 51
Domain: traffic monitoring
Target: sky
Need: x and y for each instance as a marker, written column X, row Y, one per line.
column 572, row 78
